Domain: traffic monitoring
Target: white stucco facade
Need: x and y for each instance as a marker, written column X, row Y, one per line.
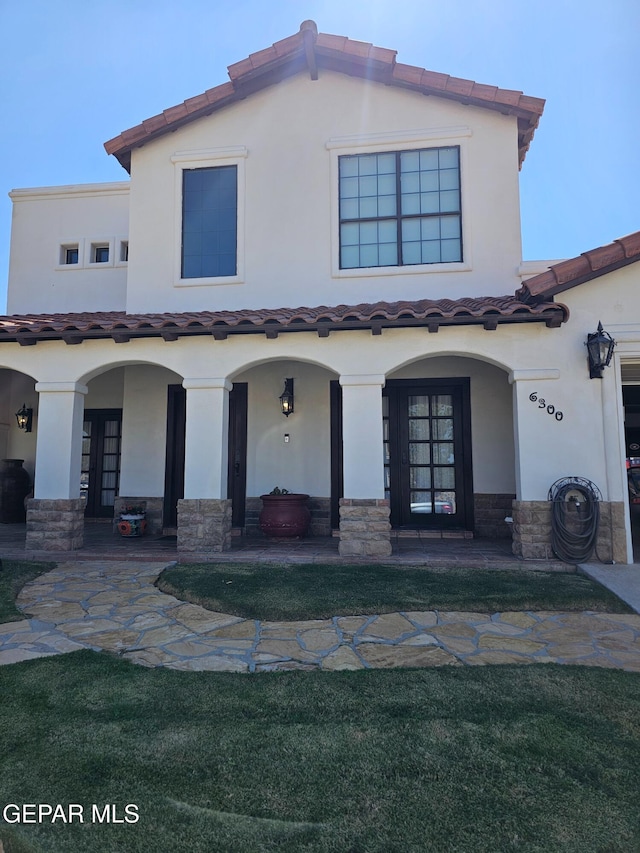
column 528, row 414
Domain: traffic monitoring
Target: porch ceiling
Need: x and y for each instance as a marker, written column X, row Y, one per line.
column 488, row 312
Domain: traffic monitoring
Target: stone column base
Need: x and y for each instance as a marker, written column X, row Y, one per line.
column 55, row 525
column 204, row 527
column 532, row 531
column 364, row 528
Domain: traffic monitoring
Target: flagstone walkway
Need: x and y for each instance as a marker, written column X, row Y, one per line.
column 114, row 606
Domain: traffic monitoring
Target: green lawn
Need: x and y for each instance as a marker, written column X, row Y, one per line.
column 14, row 574
column 539, row 758
column 283, row 592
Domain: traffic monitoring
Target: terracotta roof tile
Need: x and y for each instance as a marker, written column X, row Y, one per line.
column 150, row 125
column 488, row 310
column 337, row 53
column 585, row 267
column 630, row 244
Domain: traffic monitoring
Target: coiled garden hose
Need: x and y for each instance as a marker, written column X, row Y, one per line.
column 575, row 518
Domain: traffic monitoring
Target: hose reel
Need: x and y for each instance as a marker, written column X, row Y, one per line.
column 575, row 517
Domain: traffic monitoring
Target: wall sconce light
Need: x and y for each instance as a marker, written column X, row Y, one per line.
column 286, row 398
column 25, row 418
column 600, row 346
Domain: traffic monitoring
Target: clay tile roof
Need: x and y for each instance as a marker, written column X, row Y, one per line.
column 309, row 49
column 488, row 311
column 587, row 266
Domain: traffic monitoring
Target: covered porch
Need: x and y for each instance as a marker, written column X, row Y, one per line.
column 102, row 543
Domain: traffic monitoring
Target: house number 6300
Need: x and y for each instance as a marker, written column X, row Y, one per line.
column 542, row 404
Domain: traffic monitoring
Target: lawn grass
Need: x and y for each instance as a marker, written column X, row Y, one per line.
column 539, row 758
column 313, row 591
column 14, row 574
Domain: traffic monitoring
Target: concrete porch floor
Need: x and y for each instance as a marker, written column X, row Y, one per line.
column 102, row 543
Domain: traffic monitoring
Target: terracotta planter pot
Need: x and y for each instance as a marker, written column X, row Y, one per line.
column 285, row 516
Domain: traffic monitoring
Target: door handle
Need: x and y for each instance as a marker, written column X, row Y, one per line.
column 405, row 460
column 236, row 468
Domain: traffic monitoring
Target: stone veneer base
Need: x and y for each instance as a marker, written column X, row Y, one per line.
column 55, row 524
column 204, row 527
column 365, row 530
column 532, row 531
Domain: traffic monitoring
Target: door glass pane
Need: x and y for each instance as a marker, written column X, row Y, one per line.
column 443, row 405
column 444, row 478
column 112, row 428
column 445, row 503
column 419, row 429
column 420, row 502
column 419, row 406
column 443, row 428
column 111, row 445
column 107, row 497
column 419, row 454
column 443, row 453
column 110, row 463
column 420, row 478
column 109, row 480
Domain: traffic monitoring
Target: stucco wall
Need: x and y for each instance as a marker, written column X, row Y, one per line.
column 46, row 219
column 300, row 464
column 144, row 429
column 288, row 135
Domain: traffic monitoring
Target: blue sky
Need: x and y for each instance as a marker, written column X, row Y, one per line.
column 76, row 73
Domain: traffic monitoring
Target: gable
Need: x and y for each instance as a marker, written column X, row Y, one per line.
column 314, row 53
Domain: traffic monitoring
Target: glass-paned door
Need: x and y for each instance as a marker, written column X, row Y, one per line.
column 426, row 457
column 100, row 472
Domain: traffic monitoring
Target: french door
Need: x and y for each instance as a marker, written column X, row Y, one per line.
column 427, row 453
column 100, row 477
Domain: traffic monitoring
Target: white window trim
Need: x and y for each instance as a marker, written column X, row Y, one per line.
column 206, row 159
column 63, row 245
column 407, row 141
column 120, row 242
column 91, row 244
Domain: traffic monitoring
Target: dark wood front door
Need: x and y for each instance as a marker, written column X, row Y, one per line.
column 427, row 453
column 174, row 470
column 100, row 477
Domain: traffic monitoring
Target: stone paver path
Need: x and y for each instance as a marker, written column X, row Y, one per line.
column 114, row 606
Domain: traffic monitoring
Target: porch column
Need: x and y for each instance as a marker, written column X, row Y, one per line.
column 55, row 516
column 364, row 512
column 204, row 515
column 534, row 429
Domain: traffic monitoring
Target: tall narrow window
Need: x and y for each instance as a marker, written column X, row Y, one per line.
column 400, row 208
column 209, row 222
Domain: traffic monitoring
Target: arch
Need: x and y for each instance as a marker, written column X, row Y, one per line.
column 450, row 353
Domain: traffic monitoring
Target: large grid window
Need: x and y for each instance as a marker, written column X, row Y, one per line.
column 400, row 208
column 209, row 222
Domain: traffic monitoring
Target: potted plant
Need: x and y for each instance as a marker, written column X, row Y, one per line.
column 284, row 514
column 133, row 521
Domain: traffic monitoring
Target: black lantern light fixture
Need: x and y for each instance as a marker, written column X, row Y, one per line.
column 286, row 398
column 25, row 418
column 600, row 346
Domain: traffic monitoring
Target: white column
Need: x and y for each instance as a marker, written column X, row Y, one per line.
column 207, row 437
column 362, row 437
column 59, row 440
column 539, row 438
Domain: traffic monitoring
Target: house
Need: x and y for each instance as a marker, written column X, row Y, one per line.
column 336, row 222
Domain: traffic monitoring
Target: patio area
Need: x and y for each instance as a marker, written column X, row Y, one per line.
column 102, row 543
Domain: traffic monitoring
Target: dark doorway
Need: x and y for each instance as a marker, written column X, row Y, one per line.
column 427, row 453
column 174, row 470
column 100, row 477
